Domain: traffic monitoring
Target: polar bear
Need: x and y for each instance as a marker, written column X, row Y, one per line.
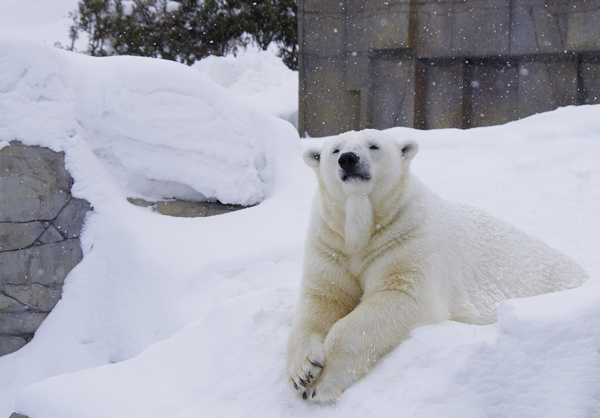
column 385, row 255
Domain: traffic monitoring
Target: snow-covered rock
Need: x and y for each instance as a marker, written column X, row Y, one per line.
column 163, row 130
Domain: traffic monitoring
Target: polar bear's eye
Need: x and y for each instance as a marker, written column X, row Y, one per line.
column 335, row 151
column 373, row 147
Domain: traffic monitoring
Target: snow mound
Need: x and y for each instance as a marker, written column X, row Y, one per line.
column 142, row 127
column 162, row 129
column 539, row 359
column 259, row 78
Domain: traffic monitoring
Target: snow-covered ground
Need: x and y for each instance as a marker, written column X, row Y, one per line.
column 179, row 317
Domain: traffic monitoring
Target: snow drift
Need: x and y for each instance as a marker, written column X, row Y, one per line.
column 258, row 78
column 161, row 129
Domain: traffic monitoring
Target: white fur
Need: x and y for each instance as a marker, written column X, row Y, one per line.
column 385, row 255
column 359, row 221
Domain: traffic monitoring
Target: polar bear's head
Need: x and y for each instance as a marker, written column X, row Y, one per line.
column 360, row 162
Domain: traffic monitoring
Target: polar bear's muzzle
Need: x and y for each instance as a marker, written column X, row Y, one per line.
column 352, row 168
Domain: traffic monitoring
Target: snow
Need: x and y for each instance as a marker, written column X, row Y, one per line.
column 128, row 7
column 172, row 6
column 259, row 78
column 181, row 317
column 178, row 136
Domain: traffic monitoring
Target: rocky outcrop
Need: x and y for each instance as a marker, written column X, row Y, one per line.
column 184, row 209
column 40, row 223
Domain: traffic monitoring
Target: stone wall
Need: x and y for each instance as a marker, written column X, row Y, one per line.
column 443, row 64
column 40, row 223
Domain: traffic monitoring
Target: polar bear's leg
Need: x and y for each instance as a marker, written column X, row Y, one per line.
column 306, row 355
column 377, row 325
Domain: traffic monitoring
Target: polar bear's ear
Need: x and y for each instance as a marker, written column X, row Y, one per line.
column 408, row 149
column 312, row 157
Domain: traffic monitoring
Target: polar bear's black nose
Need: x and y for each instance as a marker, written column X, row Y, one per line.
column 348, row 160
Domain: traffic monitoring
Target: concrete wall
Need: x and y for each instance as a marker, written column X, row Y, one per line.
column 40, row 223
column 443, row 64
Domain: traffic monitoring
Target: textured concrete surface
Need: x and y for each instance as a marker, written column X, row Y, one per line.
column 443, row 64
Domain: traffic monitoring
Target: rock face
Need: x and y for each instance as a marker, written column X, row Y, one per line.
column 184, row 209
column 40, row 223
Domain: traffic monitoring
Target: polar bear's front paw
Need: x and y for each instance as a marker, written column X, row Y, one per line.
column 305, row 376
column 305, row 367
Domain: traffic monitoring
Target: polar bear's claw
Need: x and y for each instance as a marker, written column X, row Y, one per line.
column 316, row 363
column 307, row 394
